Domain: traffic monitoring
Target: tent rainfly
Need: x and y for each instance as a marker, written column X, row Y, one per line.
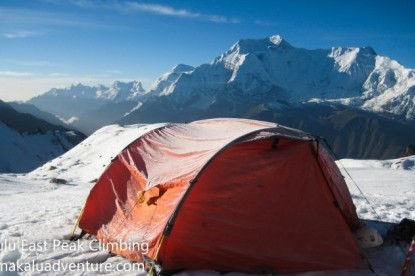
column 226, row 195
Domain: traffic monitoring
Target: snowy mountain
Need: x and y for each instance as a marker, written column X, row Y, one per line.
column 75, row 104
column 267, row 78
column 27, row 142
column 165, row 83
column 259, row 77
column 268, row 70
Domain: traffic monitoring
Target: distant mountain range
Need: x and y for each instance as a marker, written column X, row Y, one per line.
column 27, row 141
column 343, row 89
column 86, row 108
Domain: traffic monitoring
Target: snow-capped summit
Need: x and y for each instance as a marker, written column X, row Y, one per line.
column 118, row 91
column 246, row 46
column 271, row 69
column 164, row 83
column 347, row 59
column 390, row 87
column 121, row 91
column 78, row 90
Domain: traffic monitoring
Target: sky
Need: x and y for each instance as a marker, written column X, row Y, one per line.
column 56, row 43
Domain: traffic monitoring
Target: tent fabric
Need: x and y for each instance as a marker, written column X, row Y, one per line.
column 227, row 194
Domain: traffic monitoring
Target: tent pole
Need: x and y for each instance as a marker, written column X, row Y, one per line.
column 78, row 220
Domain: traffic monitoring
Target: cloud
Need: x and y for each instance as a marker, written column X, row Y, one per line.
column 16, row 17
column 12, row 74
column 170, row 11
column 160, row 9
column 19, row 34
column 79, row 3
column 33, row 63
column 221, row 19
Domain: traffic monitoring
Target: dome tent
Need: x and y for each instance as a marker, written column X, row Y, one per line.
column 227, row 195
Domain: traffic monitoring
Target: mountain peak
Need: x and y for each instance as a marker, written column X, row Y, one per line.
column 279, row 41
column 180, row 68
column 138, row 86
column 245, row 46
column 368, row 50
column 76, row 86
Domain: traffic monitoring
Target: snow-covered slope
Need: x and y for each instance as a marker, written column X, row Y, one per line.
column 22, row 152
column 85, row 162
column 44, row 213
column 27, row 142
column 390, row 87
column 388, row 184
column 165, row 83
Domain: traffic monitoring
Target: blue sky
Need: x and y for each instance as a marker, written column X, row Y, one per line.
column 55, row 43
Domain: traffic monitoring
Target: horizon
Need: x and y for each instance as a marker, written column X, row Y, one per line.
column 47, row 44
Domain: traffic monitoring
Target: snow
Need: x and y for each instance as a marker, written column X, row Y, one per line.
column 256, row 67
column 117, row 92
column 352, row 76
column 69, row 121
column 268, row 70
column 85, row 162
column 38, row 212
column 389, row 186
column 33, row 148
column 163, row 84
column 391, row 87
column 139, row 104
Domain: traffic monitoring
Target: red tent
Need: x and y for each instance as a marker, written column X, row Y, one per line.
column 227, row 195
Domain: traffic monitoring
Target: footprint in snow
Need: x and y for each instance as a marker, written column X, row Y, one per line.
column 406, row 213
column 15, row 234
column 3, row 226
column 389, row 206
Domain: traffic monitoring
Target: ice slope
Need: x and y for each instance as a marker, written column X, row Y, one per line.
column 85, row 162
column 35, row 210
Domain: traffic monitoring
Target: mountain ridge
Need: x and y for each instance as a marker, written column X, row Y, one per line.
column 259, row 72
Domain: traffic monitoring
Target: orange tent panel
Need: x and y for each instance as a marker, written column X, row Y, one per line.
column 257, row 208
